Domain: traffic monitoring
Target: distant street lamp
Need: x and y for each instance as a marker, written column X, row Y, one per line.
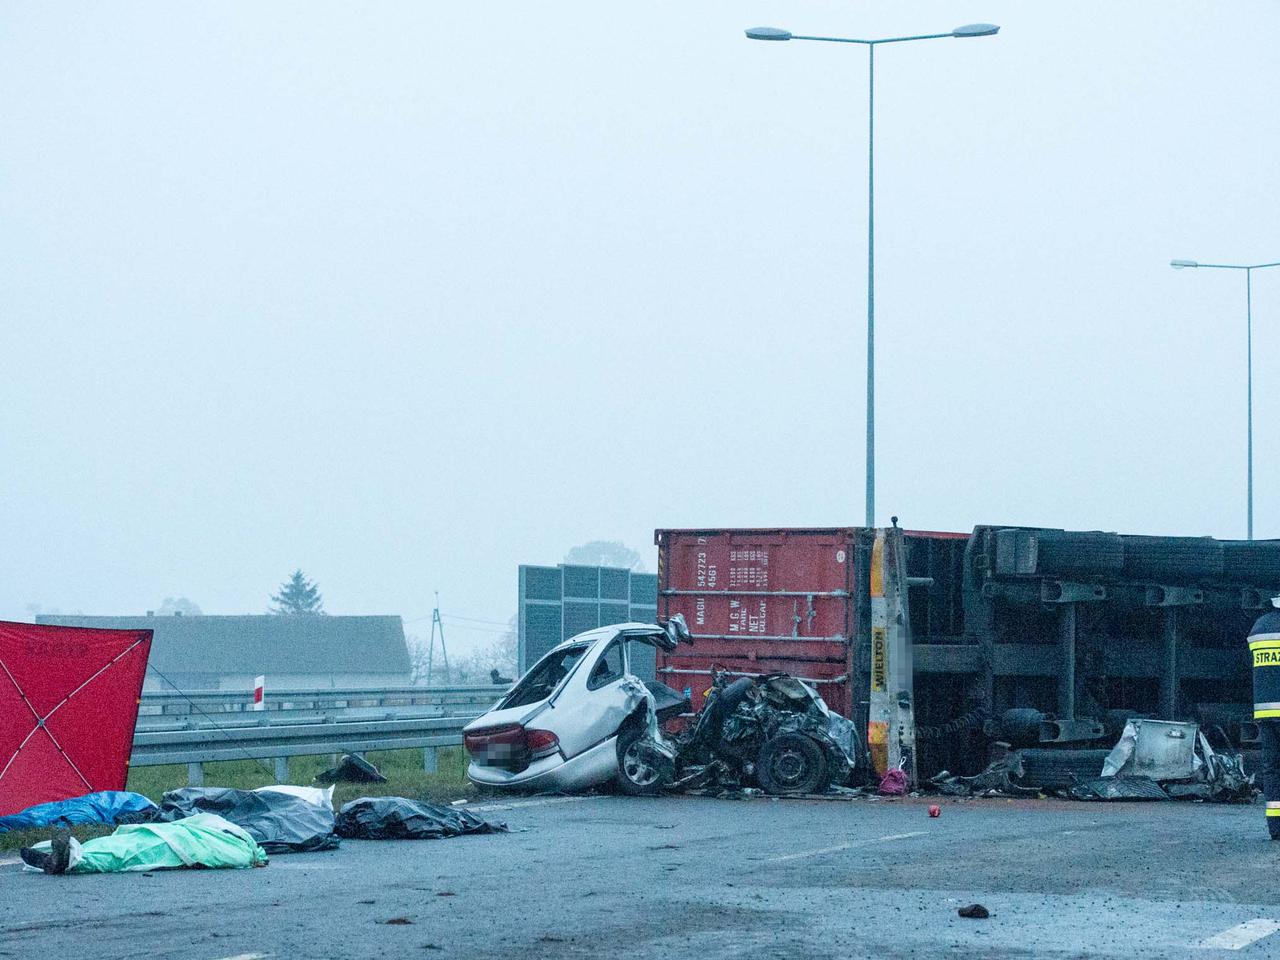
column 1248, row 315
column 774, row 34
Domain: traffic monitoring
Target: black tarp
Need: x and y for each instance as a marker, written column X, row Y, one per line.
column 396, row 818
column 279, row 822
column 351, row 769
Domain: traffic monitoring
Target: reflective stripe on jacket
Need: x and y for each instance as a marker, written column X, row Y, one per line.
column 1264, row 651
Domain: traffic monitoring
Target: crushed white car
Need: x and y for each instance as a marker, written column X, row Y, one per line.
column 580, row 718
column 568, row 721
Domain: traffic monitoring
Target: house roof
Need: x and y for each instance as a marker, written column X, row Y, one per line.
column 264, row 644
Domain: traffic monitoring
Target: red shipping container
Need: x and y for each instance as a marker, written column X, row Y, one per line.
column 760, row 601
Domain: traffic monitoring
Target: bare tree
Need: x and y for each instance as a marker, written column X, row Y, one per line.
column 417, row 660
column 499, row 654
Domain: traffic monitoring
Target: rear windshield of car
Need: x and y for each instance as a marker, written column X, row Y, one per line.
column 546, row 675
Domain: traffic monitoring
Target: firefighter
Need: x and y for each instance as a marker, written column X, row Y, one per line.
column 1264, row 645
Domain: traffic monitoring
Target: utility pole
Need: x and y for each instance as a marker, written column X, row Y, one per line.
column 436, row 622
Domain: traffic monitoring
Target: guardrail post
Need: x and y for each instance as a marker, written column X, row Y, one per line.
column 282, row 769
column 195, row 774
column 430, row 759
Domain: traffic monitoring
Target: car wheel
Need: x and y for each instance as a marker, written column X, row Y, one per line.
column 638, row 774
column 792, row 763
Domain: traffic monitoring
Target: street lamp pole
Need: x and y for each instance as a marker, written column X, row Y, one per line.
column 773, row 33
column 1248, row 316
column 870, row 485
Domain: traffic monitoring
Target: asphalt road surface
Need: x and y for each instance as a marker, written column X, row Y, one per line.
column 695, row 877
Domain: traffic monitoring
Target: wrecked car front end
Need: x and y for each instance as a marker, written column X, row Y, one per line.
column 771, row 731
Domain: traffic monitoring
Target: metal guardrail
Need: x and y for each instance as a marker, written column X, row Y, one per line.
column 280, row 740
column 218, row 703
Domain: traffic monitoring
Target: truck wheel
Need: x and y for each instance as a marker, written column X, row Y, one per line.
column 792, row 763
column 638, row 774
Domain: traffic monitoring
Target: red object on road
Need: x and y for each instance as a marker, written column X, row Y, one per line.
column 68, row 705
column 893, row 783
column 935, row 810
column 760, row 601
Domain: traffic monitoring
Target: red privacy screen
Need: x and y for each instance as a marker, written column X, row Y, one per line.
column 68, row 704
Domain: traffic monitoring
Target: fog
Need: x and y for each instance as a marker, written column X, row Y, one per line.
column 408, row 294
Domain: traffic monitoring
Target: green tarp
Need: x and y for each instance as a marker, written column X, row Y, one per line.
column 204, row 840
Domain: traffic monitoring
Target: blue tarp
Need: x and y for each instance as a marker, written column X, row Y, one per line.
column 106, row 806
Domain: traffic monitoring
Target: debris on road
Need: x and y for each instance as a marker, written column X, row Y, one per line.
column 280, row 821
column 204, row 840
column 996, row 780
column 104, row 806
column 1181, row 758
column 351, row 769
column 893, row 783
column 1118, row 788
column 397, row 818
column 1152, row 760
column 1164, row 760
column 935, row 810
column 1158, row 749
column 974, row 911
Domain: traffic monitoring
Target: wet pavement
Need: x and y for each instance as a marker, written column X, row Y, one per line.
column 687, row 876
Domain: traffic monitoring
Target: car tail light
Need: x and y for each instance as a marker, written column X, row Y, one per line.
column 510, row 746
column 500, row 745
column 542, row 743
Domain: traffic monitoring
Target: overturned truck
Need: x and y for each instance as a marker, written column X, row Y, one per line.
column 942, row 646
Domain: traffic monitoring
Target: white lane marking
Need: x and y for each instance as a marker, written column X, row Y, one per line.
column 9, row 861
column 519, row 804
column 248, row 956
column 846, row 846
column 1241, row 935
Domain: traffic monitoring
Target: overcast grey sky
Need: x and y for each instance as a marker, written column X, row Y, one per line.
column 406, row 294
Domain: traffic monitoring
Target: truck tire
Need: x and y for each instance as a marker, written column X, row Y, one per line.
column 1021, row 726
column 637, row 775
column 1051, row 769
column 792, row 763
